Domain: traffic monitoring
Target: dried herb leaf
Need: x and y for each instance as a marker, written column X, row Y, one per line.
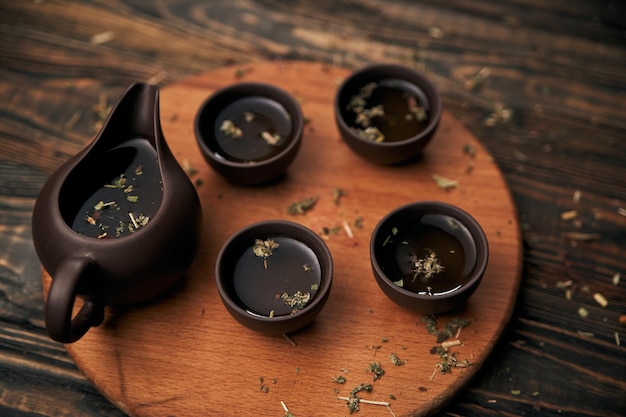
column 444, row 183
column 302, row 206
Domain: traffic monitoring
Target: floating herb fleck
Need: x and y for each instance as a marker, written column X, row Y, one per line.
column 371, row 133
column 426, row 268
column 229, row 128
column 298, row 300
column 264, row 249
column 248, row 116
column 271, row 138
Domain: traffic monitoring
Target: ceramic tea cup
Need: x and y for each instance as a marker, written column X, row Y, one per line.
column 274, row 276
column 249, row 132
column 428, row 256
column 118, row 223
column 387, row 113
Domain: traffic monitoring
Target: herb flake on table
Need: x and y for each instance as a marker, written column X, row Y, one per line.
column 376, row 370
column 444, row 183
column 302, row 206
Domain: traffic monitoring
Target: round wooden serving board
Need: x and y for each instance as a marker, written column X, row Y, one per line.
column 184, row 355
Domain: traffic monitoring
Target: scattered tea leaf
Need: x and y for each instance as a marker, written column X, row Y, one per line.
column 338, row 193
column 229, row 128
column 616, row 278
column 444, row 183
column 188, row 168
column 427, row 267
column 287, row 412
column 469, row 150
column 359, row 388
column 264, row 249
column 298, row 300
column 348, row 230
column 600, row 299
column 102, row 37
column 451, row 343
column 371, row 133
column 339, row 379
column 376, row 370
column 581, row 237
column 478, row 80
column 569, row 215
column 249, row 116
column 396, row 360
column 271, row 138
column 302, row 206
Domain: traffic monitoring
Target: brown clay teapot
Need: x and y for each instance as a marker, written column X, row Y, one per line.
column 119, row 222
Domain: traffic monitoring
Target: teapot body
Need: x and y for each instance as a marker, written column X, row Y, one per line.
column 144, row 211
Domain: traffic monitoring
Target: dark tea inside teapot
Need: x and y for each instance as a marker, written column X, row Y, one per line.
column 114, row 194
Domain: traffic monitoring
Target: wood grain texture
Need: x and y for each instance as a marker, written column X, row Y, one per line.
column 218, row 361
column 557, row 65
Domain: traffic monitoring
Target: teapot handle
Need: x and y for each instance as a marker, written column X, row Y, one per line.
column 61, row 298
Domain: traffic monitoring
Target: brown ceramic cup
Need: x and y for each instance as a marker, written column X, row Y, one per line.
column 274, row 288
column 428, row 256
column 249, row 132
column 387, row 113
column 118, row 223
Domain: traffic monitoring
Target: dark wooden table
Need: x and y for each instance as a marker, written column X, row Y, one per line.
column 541, row 84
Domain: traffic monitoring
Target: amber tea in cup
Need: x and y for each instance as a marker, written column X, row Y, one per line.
column 280, row 284
column 252, row 129
column 249, row 132
column 390, row 109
